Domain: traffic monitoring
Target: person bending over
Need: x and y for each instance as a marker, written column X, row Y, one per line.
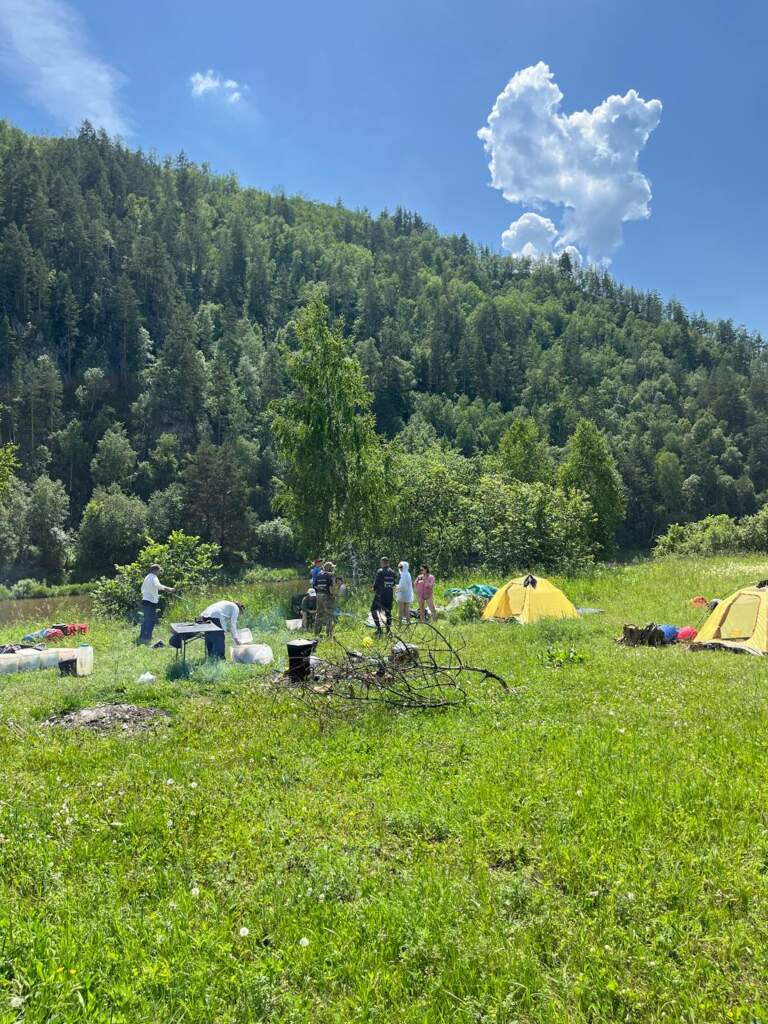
column 223, row 614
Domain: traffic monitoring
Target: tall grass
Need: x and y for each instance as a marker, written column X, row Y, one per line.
column 592, row 848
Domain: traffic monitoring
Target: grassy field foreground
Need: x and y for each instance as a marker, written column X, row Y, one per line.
column 591, row 848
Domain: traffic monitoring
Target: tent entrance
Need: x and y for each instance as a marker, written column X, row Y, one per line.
column 740, row 619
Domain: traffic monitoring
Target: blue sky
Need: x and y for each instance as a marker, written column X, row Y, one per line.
column 379, row 104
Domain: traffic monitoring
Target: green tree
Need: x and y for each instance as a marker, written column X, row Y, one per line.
column 111, row 531
column 115, row 459
column 332, row 462
column 523, row 454
column 46, row 536
column 217, row 498
column 669, row 481
column 8, row 466
column 589, row 467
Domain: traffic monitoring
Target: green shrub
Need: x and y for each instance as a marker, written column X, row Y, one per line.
column 188, row 565
column 28, row 588
column 717, row 535
column 469, row 611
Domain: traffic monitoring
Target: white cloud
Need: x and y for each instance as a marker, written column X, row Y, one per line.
column 585, row 162
column 530, row 235
column 208, row 81
column 43, row 46
column 204, row 82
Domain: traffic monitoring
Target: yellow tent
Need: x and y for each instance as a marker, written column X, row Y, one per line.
column 529, row 599
column 740, row 622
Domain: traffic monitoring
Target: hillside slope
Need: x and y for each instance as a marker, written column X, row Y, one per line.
column 153, row 295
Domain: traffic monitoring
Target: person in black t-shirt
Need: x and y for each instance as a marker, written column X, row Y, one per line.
column 383, row 593
column 324, row 582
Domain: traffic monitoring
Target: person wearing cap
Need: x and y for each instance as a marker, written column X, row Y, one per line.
column 150, row 598
column 308, row 607
column 324, row 582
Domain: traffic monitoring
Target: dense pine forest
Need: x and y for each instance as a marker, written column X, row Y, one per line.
column 148, row 309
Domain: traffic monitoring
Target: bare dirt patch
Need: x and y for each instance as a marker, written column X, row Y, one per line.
column 102, row 718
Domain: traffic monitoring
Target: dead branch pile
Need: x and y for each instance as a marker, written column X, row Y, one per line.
column 426, row 676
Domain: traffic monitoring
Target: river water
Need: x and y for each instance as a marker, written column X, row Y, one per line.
column 43, row 611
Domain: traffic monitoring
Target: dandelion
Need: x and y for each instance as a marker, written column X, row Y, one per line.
column 244, row 932
column 304, row 941
column 169, row 782
column 194, row 891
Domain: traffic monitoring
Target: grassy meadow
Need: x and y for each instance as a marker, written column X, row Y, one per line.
column 590, row 848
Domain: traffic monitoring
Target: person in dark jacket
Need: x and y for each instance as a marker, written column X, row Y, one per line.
column 324, row 582
column 383, row 595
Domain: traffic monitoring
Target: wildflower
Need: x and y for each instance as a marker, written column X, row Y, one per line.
column 304, row 941
column 244, row 932
column 194, row 891
column 169, row 782
column 193, row 785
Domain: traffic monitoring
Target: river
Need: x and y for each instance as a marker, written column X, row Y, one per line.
column 44, row 611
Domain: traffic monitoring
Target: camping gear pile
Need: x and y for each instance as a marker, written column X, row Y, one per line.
column 652, row 635
column 457, row 596
column 56, row 632
column 528, row 599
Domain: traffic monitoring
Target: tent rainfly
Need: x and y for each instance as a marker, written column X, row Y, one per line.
column 528, row 599
column 739, row 623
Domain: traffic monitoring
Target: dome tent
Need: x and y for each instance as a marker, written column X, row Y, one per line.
column 739, row 623
column 528, row 599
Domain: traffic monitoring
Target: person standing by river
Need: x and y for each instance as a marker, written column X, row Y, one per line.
column 324, row 583
column 150, row 598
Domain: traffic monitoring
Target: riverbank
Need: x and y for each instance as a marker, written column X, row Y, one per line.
column 589, row 848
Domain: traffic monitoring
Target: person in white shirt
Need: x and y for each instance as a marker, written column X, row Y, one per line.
column 150, row 598
column 226, row 614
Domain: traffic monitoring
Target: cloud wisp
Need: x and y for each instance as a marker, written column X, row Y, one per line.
column 586, row 163
column 202, row 82
column 44, row 46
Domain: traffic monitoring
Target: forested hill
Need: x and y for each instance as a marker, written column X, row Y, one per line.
column 145, row 302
